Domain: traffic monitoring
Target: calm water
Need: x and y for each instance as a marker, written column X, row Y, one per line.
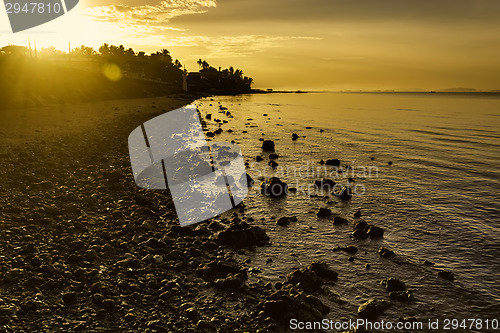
column 439, row 201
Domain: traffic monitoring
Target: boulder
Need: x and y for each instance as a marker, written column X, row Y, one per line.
column 375, row 232
column 241, row 234
column 359, row 234
column 268, row 145
column 274, row 188
column 324, row 212
column 343, row 193
column 393, row 284
column 273, row 164
column 385, row 252
column 283, row 221
column 311, row 278
column 337, row 220
column 333, row 162
column 447, row 275
column 373, row 308
column 273, row 156
column 351, row 249
column 328, row 183
column 402, row 296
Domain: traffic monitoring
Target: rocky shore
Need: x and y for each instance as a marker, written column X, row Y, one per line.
column 84, row 249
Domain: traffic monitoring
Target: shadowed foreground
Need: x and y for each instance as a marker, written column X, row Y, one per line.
column 84, row 249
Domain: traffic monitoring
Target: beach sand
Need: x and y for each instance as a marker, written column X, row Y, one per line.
column 84, row 249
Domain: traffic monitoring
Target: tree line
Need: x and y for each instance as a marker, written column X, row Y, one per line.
column 159, row 66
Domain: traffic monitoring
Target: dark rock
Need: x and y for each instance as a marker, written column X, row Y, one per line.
column 305, row 279
column 402, row 296
column 311, row 277
column 390, row 162
column 447, row 275
column 274, row 188
column 325, row 183
column 385, row 252
column 273, row 164
column 351, row 249
column 357, row 214
column 259, row 158
column 283, row 221
column 235, row 281
column 273, row 156
column 337, row 220
column 392, row 284
column 361, row 225
column 373, row 308
column 322, row 270
column 375, row 232
column 241, row 235
column 321, row 162
column 343, row 193
column 295, row 136
column 268, row 145
column 359, row 234
column 324, row 212
column 333, row 162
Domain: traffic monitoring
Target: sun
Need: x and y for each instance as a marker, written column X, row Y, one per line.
column 71, row 30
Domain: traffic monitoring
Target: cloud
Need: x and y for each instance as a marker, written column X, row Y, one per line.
column 232, row 46
column 150, row 15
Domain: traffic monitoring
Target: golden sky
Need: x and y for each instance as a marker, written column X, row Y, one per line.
column 297, row 44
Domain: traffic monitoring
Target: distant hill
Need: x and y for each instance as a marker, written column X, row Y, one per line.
column 458, row 90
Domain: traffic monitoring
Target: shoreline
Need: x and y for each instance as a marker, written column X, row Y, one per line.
column 85, row 249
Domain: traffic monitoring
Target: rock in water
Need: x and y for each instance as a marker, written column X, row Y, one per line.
column 337, row 220
column 283, row 221
column 447, row 275
column 268, row 145
column 373, row 308
column 324, row 212
column 392, row 284
column 402, row 296
column 274, row 188
column 344, row 193
column 241, row 234
column 333, row 162
column 385, row 252
column 273, row 164
column 325, row 183
column 375, row 232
